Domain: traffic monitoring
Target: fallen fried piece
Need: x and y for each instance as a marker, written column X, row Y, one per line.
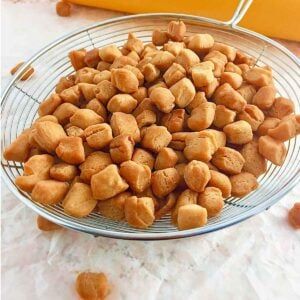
column 211, row 199
column 92, row 286
column 46, row 225
column 294, row 215
column 63, row 9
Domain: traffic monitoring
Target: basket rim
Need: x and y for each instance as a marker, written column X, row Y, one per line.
column 147, row 236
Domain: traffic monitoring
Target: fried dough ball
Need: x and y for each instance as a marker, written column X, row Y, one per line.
column 212, row 200
column 196, row 175
column 202, row 116
column 167, row 206
column 94, row 163
column 163, row 182
column 64, row 112
column 243, row 184
column 108, row 183
column 121, row 148
column 138, row 176
column 46, row 225
column 143, row 157
column 36, row 169
column 271, row 149
column 223, row 116
column 63, row 172
column 122, row 123
column 48, row 106
column 253, row 115
column 49, row 191
column 163, row 99
column 255, row 163
column 98, row 136
column 19, row 149
column 70, row 149
column 175, row 121
column 184, row 92
column 239, row 132
column 268, row 123
column 84, row 118
column 139, row 212
column 265, row 97
column 185, row 198
column 294, row 216
column 228, row 160
column 191, row 216
column 48, row 135
column 166, row 158
column 156, row 138
column 281, row 108
column 220, row 181
column 92, row 286
column 114, row 208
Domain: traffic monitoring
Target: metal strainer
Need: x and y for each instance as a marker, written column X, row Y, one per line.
column 21, row 100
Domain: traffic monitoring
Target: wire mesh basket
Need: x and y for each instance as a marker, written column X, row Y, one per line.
column 21, row 99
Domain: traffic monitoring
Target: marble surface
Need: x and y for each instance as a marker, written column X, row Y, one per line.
column 257, row 259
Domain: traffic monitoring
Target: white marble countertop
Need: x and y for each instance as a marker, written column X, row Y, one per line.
column 257, row 259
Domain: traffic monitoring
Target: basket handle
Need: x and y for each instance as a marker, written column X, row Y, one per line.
column 239, row 12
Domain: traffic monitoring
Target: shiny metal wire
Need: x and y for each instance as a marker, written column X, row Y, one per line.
column 21, row 99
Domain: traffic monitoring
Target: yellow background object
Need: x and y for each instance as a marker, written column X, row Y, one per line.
column 276, row 18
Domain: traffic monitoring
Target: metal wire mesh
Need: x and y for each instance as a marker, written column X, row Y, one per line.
column 21, row 99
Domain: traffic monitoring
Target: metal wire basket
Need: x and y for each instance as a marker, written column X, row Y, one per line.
column 21, row 100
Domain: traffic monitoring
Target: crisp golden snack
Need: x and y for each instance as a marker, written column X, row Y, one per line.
column 294, row 216
column 92, row 286
column 46, row 225
column 141, row 130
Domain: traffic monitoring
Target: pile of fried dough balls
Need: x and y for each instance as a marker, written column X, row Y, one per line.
column 176, row 125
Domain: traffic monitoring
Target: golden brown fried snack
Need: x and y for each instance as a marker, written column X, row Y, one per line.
column 70, row 149
column 186, row 197
column 271, row 149
column 184, row 92
column 196, row 175
column 48, row 106
column 35, row 169
column 143, row 157
column 46, row 225
column 281, row 108
column 166, row 158
column 163, row 182
column 79, row 201
column 124, row 80
column 191, row 216
column 156, row 138
column 243, row 184
column 48, row 135
column 63, row 172
column 265, row 97
column 98, row 136
column 122, row 123
column 163, row 99
column 64, row 112
column 239, row 132
column 121, row 148
column 202, row 116
column 268, row 123
column 104, row 91
column 175, row 121
column 174, row 73
column 122, row 102
column 167, row 206
column 114, row 208
column 255, row 163
column 138, row 176
column 84, row 118
column 294, row 216
column 107, row 183
column 220, row 181
column 223, row 116
column 139, row 212
column 228, row 160
column 253, row 115
column 92, row 286
column 19, row 149
column 212, row 200
column 49, row 192
column 95, row 162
